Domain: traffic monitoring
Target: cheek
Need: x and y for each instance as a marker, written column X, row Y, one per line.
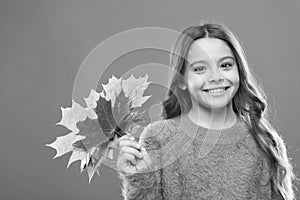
column 234, row 77
column 236, row 80
column 196, row 81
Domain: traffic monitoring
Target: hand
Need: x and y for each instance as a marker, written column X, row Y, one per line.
column 132, row 157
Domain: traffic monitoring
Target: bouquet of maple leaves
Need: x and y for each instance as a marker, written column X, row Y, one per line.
column 95, row 129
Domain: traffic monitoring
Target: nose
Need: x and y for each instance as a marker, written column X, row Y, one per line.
column 216, row 76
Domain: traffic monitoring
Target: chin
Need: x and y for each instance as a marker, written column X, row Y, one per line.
column 217, row 106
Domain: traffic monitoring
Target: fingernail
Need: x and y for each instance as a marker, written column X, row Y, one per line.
column 132, row 138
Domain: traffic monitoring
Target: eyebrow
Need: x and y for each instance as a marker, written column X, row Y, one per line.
column 204, row 61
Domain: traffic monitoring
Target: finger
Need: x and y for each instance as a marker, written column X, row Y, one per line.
column 132, row 144
column 114, row 143
column 130, row 169
column 126, row 137
column 127, row 157
column 130, row 150
column 125, row 164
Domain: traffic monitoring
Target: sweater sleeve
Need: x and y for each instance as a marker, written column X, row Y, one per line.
column 265, row 183
column 145, row 185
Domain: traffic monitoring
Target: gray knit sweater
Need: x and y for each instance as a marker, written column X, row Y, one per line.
column 192, row 162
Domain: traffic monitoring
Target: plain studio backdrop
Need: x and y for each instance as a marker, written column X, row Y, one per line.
column 43, row 43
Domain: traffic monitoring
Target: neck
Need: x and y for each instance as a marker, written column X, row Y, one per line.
column 213, row 118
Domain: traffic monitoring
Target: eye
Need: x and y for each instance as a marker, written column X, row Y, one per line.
column 199, row 69
column 226, row 65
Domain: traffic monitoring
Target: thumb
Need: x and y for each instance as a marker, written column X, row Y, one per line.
column 114, row 143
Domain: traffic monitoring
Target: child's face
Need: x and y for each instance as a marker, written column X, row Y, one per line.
column 211, row 65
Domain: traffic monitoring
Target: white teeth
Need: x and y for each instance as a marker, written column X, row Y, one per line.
column 216, row 90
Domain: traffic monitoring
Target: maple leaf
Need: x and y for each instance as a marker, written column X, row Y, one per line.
column 95, row 129
column 134, row 89
column 63, row 144
column 105, row 117
column 78, row 154
column 95, row 160
column 91, row 100
column 91, row 129
column 121, row 111
column 112, row 88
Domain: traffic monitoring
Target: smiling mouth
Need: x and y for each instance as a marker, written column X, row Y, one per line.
column 216, row 90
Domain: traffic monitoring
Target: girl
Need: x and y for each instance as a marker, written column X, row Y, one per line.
column 215, row 141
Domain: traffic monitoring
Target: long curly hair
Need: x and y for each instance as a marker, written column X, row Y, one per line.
column 249, row 103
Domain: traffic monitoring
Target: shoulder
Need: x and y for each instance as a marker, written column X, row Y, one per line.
column 250, row 143
column 159, row 130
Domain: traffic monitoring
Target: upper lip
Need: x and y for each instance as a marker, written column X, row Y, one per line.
column 220, row 87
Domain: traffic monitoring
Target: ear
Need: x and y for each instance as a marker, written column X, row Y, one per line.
column 182, row 86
